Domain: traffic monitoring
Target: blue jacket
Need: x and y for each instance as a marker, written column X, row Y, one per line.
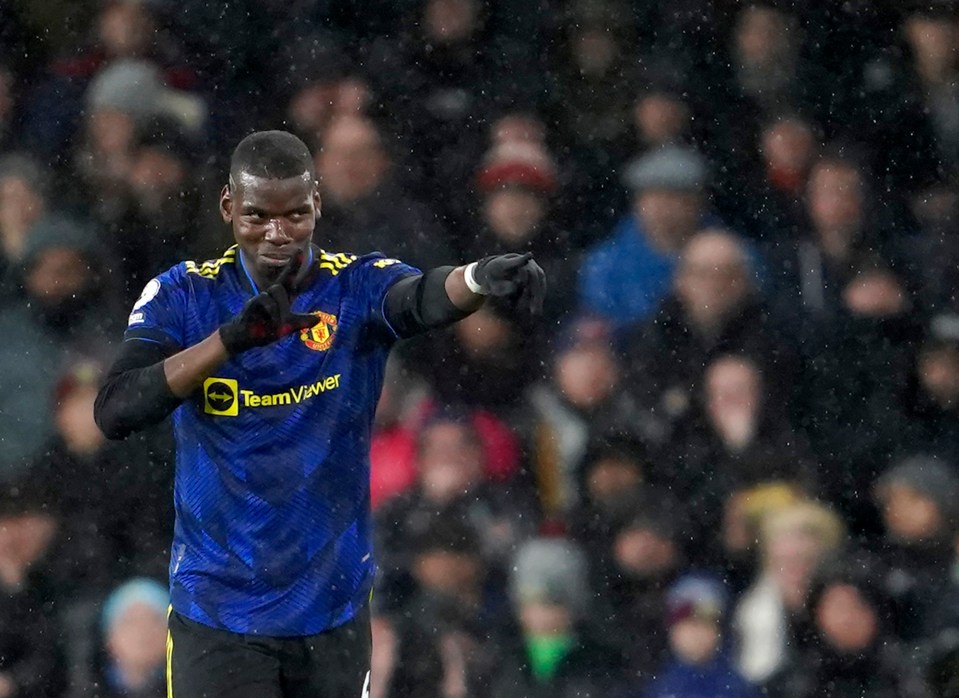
column 715, row 680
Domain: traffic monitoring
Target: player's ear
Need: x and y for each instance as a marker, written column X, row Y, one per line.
column 226, row 204
column 317, row 202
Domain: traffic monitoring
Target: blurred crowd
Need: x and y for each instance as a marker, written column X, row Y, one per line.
column 723, row 462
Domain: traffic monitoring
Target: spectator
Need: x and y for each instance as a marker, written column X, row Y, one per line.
column 770, row 619
column 845, row 237
column 516, row 183
column 770, row 208
column 134, row 641
column 447, row 76
column 696, row 608
column 585, row 398
column 450, row 478
column 485, row 361
column 742, row 515
column 123, row 98
column 557, row 655
column 853, row 651
column 447, row 635
column 645, row 555
column 612, row 472
column 931, row 33
column 714, row 309
column 917, row 499
column 933, row 400
column 364, row 207
column 745, row 439
column 625, row 277
column 23, row 201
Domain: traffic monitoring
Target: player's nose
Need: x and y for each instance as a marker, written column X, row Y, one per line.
column 276, row 232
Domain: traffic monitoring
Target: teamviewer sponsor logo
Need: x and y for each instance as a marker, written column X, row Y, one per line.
column 223, row 397
column 220, row 397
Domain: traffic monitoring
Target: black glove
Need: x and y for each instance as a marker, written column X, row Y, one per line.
column 266, row 317
column 515, row 277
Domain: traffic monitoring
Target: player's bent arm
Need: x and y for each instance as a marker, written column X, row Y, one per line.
column 146, row 383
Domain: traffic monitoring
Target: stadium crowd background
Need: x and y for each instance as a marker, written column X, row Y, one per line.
column 723, row 461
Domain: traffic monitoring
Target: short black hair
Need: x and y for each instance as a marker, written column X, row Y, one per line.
column 273, row 155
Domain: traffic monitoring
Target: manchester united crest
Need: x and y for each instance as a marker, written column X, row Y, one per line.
column 320, row 336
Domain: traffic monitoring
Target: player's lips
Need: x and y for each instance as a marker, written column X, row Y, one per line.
column 275, row 260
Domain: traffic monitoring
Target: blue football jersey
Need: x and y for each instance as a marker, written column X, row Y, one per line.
column 273, row 531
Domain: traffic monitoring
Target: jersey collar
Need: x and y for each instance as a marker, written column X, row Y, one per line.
column 249, row 285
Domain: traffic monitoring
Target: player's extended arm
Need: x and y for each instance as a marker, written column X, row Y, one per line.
column 444, row 295
column 146, row 383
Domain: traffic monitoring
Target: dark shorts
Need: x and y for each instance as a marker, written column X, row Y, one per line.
column 204, row 662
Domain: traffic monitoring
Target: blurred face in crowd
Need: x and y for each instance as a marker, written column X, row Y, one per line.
column 595, row 51
column 733, row 399
column 351, row 163
column 155, row 176
column 909, row 515
column 314, row 106
column 450, row 21
column 450, row 460
column 75, row 423
column 876, row 293
column 668, row 216
column 834, row 201
column 788, row 147
column 24, row 540
column 20, row 207
column 791, row 557
column 545, row 619
column 610, row 477
column 57, row 276
column 514, row 213
column 125, row 29
column 845, row 619
column 586, row 375
column 939, row 374
column 660, row 118
column 642, row 553
column 933, row 41
column 762, row 36
column 485, row 334
column 111, row 134
column 694, row 640
column 712, row 281
column 453, row 573
column 136, row 640
column 272, row 220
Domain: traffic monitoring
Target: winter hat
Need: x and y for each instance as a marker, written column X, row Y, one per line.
column 696, row 596
column 670, row 167
column 59, row 231
column 82, row 372
column 518, row 163
column 858, row 569
column 654, row 509
column 551, row 570
column 931, row 477
column 139, row 590
column 136, row 87
column 22, row 166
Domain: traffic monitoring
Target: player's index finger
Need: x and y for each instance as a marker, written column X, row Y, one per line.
column 287, row 276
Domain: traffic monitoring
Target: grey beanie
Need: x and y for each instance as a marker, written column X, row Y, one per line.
column 551, row 570
column 669, row 167
column 932, row 477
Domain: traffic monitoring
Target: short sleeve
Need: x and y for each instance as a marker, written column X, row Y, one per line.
column 158, row 313
column 372, row 276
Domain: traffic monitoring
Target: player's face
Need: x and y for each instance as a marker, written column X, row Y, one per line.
column 272, row 220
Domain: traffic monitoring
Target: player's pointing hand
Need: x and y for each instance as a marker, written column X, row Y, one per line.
column 515, row 277
column 266, row 317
